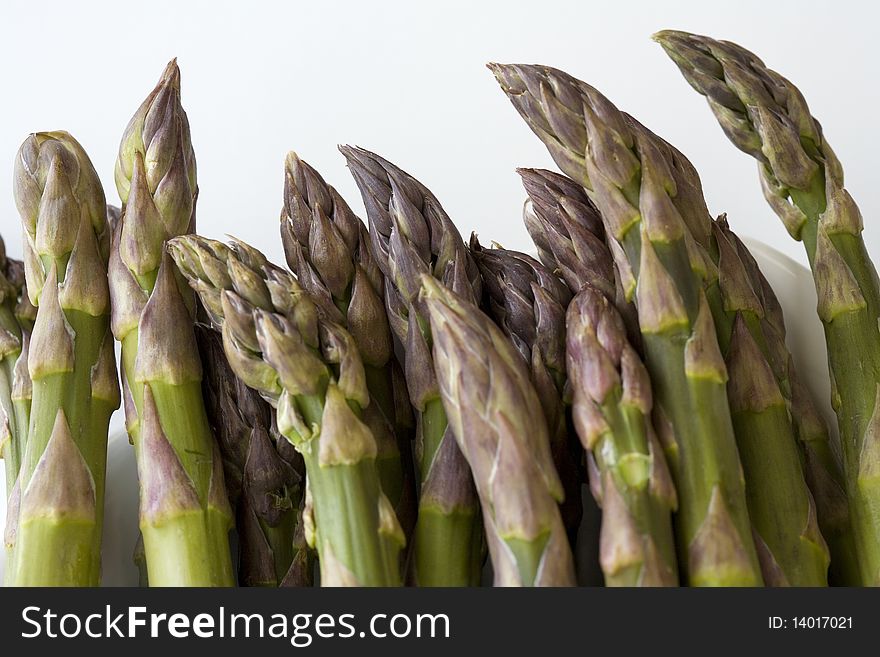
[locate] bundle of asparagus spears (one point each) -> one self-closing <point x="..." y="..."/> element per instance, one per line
<point x="399" y="407"/>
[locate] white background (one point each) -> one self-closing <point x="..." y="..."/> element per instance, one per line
<point x="407" y="80"/>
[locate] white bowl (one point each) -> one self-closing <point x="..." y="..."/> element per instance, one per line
<point x="791" y="281"/>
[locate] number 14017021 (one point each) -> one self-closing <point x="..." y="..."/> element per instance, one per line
<point x="810" y="623"/>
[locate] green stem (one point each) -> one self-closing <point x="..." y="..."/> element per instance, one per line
<point x="179" y="549"/>
<point x="446" y="537"/>
<point x="345" y="499"/>
<point x="854" y="363"/>
<point x="624" y="451"/>
<point x="706" y="463"/>
<point x="695" y="407"/>
<point x="10" y="453"/>
<point x="189" y="548"/>
<point x="444" y="547"/>
<point x="52" y="550"/>
<point x="779" y="502"/>
<point x="433" y="430"/>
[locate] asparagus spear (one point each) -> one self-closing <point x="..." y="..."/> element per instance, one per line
<point x="17" y="315"/>
<point x="185" y="516"/>
<point x="567" y="229"/>
<point x="496" y="417"/>
<point x="280" y="343"/>
<point x="411" y="235"/>
<point x="767" y="117"/>
<point x="327" y="246"/>
<point x="821" y="461"/>
<point x="10" y="351"/>
<point x="628" y="179"/>
<point x="791" y="546"/>
<point x="612" y="409"/>
<point x="528" y="303"/>
<point x="784" y="516"/>
<point x="783" y="512"/>
<point x="262" y="471"/>
<point x="21" y="390"/>
<point x="57" y="510"/>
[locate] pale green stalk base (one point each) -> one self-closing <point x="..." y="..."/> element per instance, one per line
<point x="53" y="551"/>
<point x="447" y="548"/>
<point x="353" y="537"/>
<point x="188" y="548"/>
<point x="776" y="492"/>
<point x="694" y="406"/>
<point x="178" y="552"/>
<point x="447" y="544"/>
<point x="528" y="555"/>
<point x="770" y="461"/>
<point x="351" y="548"/>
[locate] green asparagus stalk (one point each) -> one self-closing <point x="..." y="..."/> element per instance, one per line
<point x="629" y="181"/>
<point x="612" y="403"/>
<point x="821" y="461"/>
<point x="767" y="117"/>
<point x="10" y="350"/>
<point x="783" y="512"/>
<point x="57" y="510"/>
<point x="528" y="303"/>
<point x="567" y="229"/>
<point x="790" y="544"/>
<point x="328" y="248"/>
<point x="185" y="516"/>
<point x="411" y="235"/>
<point x="21" y="392"/>
<point x="636" y="535"/>
<point x="263" y="473"/>
<point x="280" y="343"/>
<point x="496" y="417"/>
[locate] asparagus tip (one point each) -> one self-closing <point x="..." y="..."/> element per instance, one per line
<point x="292" y="160"/>
<point x="662" y="36"/>
<point x="171" y="74"/>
